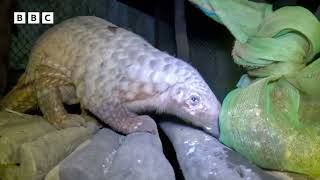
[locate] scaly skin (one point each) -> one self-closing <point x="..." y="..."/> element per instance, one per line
<point x="114" y="74"/>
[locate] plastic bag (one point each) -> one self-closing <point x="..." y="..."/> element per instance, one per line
<point x="267" y="43"/>
<point x="274" y="124"/>
<point x="273" y="118"/>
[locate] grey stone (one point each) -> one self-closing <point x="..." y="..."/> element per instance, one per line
<point x="91" y="161"/>
<point x="202" y="157"/>
<point x="35" y="145"/>
<point x="112" y="156"/>
<point x="290" y="176"/>
<point x="140" y="157"/>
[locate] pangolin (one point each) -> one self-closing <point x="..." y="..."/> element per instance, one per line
<point x="114" y="74"/>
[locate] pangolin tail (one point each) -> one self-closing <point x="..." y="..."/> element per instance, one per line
<point x="21" y="98"/>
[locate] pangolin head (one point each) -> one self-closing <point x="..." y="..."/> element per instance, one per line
<point x="193" y="101"/>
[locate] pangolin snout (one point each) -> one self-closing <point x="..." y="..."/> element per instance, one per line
<point x="212" y="124"/>
<point x="209" y="120"/>
<point x="213" y="129"/>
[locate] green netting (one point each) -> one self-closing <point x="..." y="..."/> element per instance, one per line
<point x="273" y="120"/>
<point x="27" y="34"/>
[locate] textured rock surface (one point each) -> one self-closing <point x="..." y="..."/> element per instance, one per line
<point x="109" y="155"/>
<point x="90" y="161"/>
<point x="202" y="157"/>
<point x="14" y="130"/>
<point x="290" y="176"/>
<point x="32" y="147"/>
<point x="13" y="118"/>
<point x="54" y="174"/>
<point x="140" y="157"/>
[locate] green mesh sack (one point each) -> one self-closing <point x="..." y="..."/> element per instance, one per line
<point x="272" y="119"/>
<point x="267" y="43"/>
<point x="275" y="124"/>
<point x="284" y="43"/>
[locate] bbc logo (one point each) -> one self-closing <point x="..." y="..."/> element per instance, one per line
<point x="33" y="18"/>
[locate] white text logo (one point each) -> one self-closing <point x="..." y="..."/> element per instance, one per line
<point x="33" y="18"/>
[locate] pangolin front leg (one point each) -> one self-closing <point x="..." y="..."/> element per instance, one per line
<point x="50" y="100"/>
<point x="124" y="121"/>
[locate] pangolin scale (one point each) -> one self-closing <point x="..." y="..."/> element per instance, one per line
<point x="114" y="74"/>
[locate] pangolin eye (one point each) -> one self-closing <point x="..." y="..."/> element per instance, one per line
<point x="194" y="100"/>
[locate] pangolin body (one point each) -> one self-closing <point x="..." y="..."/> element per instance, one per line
<point x="113" y="73"/>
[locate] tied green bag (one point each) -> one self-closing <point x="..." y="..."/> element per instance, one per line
<point x="267" y="43"/>
<point x="274" y="124"/>
<point x="275" y="120"/>
<point x="284" y="43"/>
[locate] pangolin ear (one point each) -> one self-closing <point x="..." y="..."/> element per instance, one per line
<point x="178" y="94"/>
